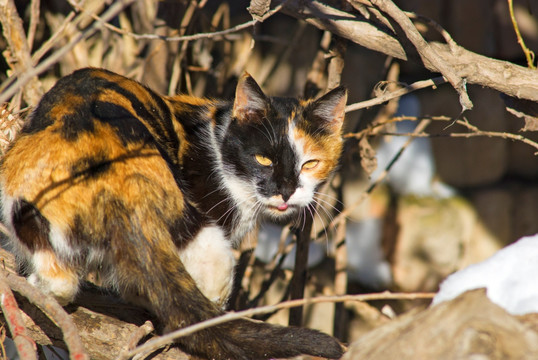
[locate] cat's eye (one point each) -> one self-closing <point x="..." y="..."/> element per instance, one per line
<point x="264" y="161"/>
<point x="310" y="164"/>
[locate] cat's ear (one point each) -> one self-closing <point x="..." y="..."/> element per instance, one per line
<point x="329" y="109"/>
<point x="249" y="99"/>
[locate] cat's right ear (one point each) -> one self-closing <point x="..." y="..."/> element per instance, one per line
<point x="249" y="99"/>
<point x="330" y="109"/>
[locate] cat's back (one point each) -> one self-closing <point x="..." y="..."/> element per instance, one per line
<point x="95" y="135"/>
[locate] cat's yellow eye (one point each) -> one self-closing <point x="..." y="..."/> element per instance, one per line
<point x="262" y="160"/>
<point x="310" y="164"/>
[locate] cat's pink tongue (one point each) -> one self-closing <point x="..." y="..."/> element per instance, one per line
<point x="282" y="206"/>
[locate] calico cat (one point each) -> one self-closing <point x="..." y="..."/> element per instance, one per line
<point x="153" y="192"/>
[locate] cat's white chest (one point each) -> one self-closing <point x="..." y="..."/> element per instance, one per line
<point x="209" y="260"/>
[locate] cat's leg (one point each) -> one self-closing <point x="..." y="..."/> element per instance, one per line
<point x="52" y="277"/>
<point x="210" y="261"/>
<point x="38" y="243"/>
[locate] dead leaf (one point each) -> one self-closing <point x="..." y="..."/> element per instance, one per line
<point x="368" y="156"/>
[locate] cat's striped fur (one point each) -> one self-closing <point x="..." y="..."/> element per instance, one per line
<point x="152" y="192"/>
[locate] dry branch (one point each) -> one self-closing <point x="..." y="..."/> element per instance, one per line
<point x="427" y="54"/>
<point x="26" y="347"/>
<point x="105" y="326"/>
<point x="32" y="73"/>
<point x="99" y="320"/>
<point x="378" y="100"/>
<point x="55" y="313"/>
<point x="169" y="338"/>
<point x="18" y="55"/>
<point x="477" y="69"/>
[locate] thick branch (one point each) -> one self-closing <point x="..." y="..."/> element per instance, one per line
<point x="503" y="76"/>
<point x="427" y="53"/>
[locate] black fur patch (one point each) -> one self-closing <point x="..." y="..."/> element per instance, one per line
<point x="31" y="227"/>
<point x="74" y="125"/>
<point x="127" y="127"/>
<point x="91" y="167"/>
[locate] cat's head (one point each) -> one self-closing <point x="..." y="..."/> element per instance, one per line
<point x="277" y="152"/>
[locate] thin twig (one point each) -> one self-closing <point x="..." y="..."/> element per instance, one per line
<point x="475" y="132"/>
<point x="26" y="347"/>
<point x="529" y="55"/>
<point x="395" y="94"/>
<point x="338" y="219"/>
<point x="25" y="77"/>
<point x="182" y="52"/>
<point x="445" y="34"/>
<point x="52" y="40"/>
<point x="209" y="35"/>
<point x="34" y="19"/>
<point x="169" y="338"/>
<point x="142" y="331"/>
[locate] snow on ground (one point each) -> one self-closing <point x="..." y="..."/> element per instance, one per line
<point x="509" y="277"/>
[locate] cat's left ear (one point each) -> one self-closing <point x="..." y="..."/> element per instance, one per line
<point x="330" y="109"/>
<point x="249" y="99"/>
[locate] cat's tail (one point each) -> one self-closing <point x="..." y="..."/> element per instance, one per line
<point x="177" y="302"/>
<point x="247" y="339"/>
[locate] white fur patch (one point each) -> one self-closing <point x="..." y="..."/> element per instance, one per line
<point x="52" y="278"/>
<point x="239" y="191"/>
<point x="7" y="207"/>
<point x="304" y="194"/>
<point x="210" y="262"/>
<point x="59" y="242"/>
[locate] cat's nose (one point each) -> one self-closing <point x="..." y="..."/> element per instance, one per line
<point x="286" y="192"/>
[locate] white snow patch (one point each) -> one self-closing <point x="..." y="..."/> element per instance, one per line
<point x="509" y="277"/>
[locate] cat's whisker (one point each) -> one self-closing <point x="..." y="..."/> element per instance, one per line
<point x="217" y="204"/>
<point x="274" y="137"/>
<point x="321" y="206"/>
<point x="267" y="134"/>
<point x="320" y="195"/>
<point x="327" y="203"/>
<point x="327" y="213"/>
<point x="234" y="207"/>
<point x="211" y="193"/>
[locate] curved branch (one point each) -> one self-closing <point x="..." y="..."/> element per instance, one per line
<point x="427" y="53"/>
<point x="54" y="311"/>
<point x="503" y="76"/>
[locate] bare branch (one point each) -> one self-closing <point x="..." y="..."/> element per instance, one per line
<point x="30" y="74"/>
<point x="26" y="348"/>
<point x="339" y="218"/>
<point x="52" y="309"/>
<point x="425" y="51"/>
<point x="19" y="53"/>
<point x="500" y="75"/>
<point x="396" y="94"/>
<point x="169" y="338"/>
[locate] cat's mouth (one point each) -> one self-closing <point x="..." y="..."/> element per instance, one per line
<point x="282" y="209"/>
